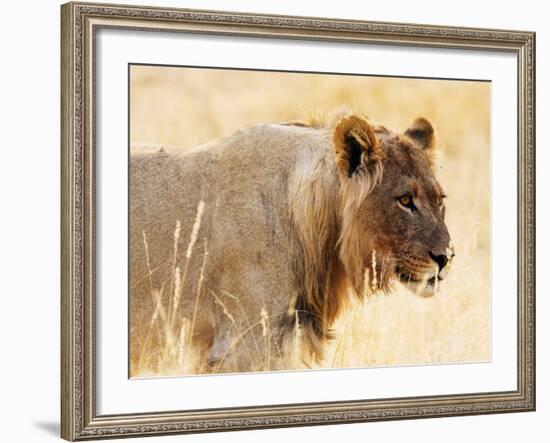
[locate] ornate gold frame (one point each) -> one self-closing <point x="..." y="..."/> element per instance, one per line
<point x="79" y="21"/>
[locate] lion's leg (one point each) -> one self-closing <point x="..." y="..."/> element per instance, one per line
<point x="234" y="351"/>
<point x="247" y="353"/>
<point x="247" y="314"/>
<point x="218" y="357"/>
<point x="200" y="342"/>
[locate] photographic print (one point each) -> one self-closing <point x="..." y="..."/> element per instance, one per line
<point x="292" y="221"/>
<point x="273" y="221"/>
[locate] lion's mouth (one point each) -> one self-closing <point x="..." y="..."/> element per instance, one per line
<point x="425" y="286"/>
<point x="407" y="278"/>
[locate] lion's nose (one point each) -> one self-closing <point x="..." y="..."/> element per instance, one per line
<point x="441" y="260"/>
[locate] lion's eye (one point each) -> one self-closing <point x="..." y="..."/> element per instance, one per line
<point x="406" y="201"/>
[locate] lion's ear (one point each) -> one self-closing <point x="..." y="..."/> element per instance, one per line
<point x="422" y="133"/>
<point x="356" y="147"/>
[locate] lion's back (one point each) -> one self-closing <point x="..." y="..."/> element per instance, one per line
<point x="246" y="174"/>
<point x="243" y="183"/>
<point x="241" y="242"/>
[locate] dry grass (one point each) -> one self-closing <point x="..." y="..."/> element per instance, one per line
<point x="186" y="107"/>
<point x="173" y="352"/>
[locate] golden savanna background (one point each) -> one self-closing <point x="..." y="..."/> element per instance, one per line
<point x="186" y="107"/>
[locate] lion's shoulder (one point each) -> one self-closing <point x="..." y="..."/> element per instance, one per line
<point x="270" y="133"/>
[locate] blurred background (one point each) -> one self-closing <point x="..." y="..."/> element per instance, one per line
<point x="187" y="106"/>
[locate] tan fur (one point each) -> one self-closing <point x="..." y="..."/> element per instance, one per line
<point x="422" y="133"/>
<point x="282" y="242"/>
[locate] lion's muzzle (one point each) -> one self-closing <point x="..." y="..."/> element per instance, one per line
<point x="443" y="261"/>
<point x="422" y="273"/>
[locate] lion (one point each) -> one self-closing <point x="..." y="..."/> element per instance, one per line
<point x="258" y="240"/>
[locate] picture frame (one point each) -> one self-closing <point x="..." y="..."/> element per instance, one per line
<point x="80" y="24"/>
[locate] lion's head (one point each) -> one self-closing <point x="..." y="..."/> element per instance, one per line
<point x="393" y="207"/>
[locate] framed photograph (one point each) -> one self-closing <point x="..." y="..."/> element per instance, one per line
<point x="282" y="221"/>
